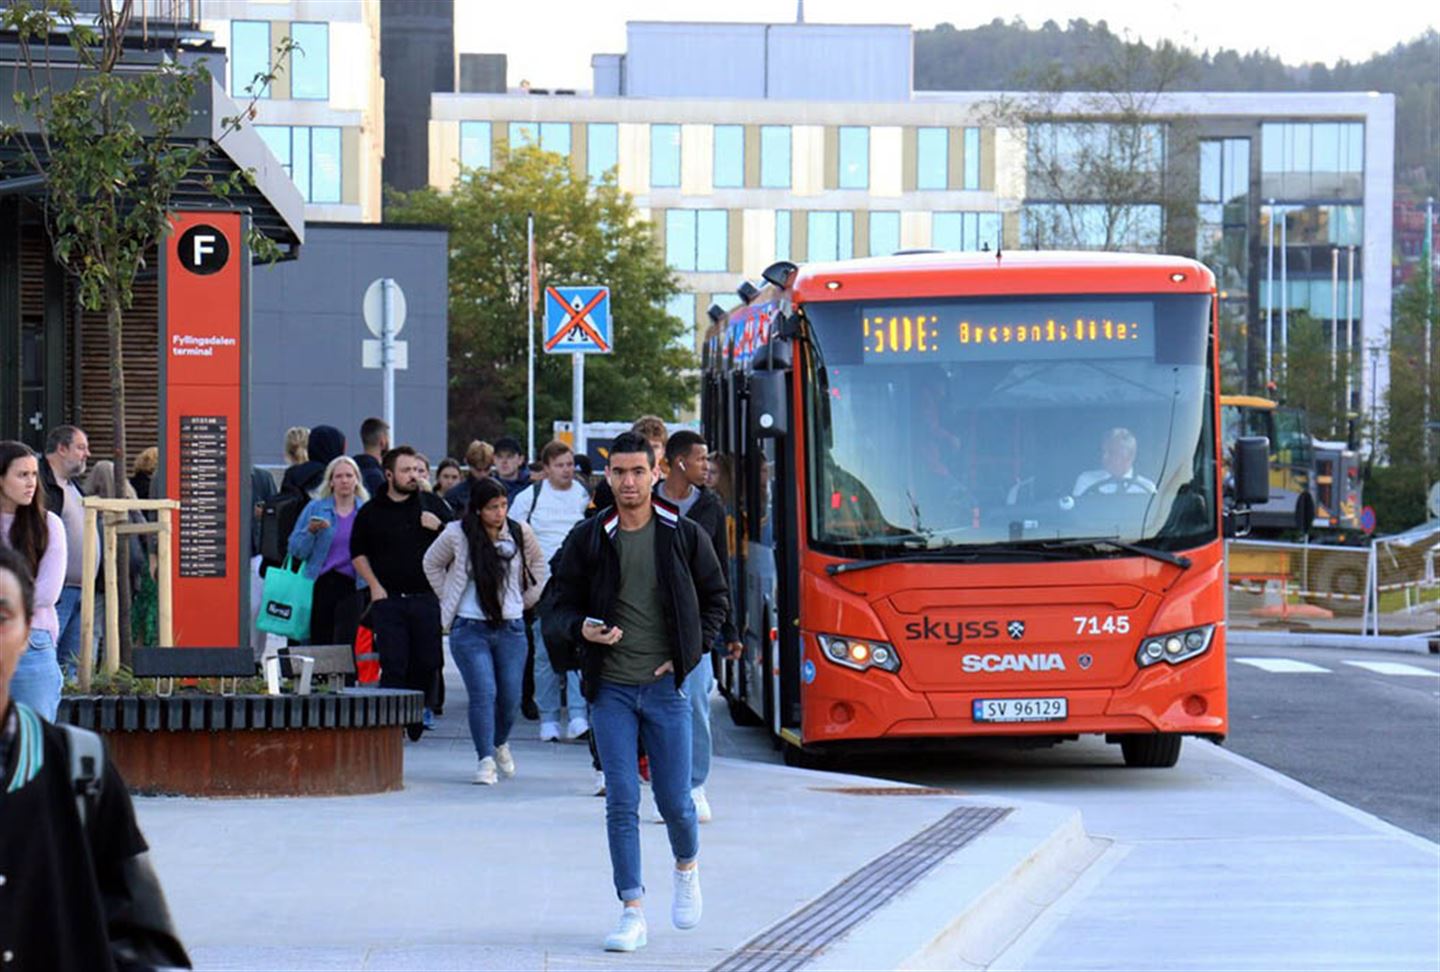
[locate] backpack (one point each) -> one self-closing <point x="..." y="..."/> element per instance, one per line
<point x="87" y="768"/>
<point x="278" y="516"/>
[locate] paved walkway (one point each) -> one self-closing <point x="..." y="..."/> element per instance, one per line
<point x="450" y="875"/>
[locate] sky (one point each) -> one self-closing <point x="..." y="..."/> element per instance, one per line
<point x="549" y="42"/>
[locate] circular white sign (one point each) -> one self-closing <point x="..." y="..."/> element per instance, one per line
<point x="1435" y="500"/>
<point x="373" y="307"/>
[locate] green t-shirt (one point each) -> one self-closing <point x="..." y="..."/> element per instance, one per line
<point x="645" y="646"/>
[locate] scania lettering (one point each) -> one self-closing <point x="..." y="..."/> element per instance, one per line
<point x="1013" y="663"/>
<point x="1015" y="453"/>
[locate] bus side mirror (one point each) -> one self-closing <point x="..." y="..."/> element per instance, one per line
<point x="769" y="405"/>
<point x="1251" y="469"/>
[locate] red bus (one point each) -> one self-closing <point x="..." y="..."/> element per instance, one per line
<point x="974" y="495"/>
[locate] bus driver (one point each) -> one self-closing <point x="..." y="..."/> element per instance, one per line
<point x="1117" y="457"/>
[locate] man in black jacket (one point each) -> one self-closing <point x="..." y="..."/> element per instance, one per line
<point x="640" y="588"/>
<point x="688" y="459"/>
<point x="375" y="440"/>
<point x="77" y="891"/>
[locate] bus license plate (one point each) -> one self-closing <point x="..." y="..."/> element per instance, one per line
<point x="1019" y="710"/>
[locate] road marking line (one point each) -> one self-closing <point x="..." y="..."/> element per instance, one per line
<point x="1283" y="665"/>
<point x="1394" y="668"/>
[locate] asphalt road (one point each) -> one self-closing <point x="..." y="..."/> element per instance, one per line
<point x="1368" y="738"/>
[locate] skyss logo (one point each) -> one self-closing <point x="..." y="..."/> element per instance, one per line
<point x="952" y="632"/>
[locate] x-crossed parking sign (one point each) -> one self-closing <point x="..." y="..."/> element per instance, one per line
<point x="577" y="320"/>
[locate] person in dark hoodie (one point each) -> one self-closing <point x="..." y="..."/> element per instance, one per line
<point x="683" y="487"/>
<point x="326" y="443"/>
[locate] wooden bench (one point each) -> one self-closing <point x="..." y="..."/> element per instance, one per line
<point x="167" y="664"/>
<point x="303" y="662"/>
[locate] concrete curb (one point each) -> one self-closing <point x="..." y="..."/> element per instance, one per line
<point x="1345" y="642"/>
<point x="968" y="910"/>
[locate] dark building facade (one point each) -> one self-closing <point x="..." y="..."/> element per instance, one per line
<point x="417" y="57"/>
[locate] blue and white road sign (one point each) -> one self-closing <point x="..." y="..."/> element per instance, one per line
<point x="577" y="320"/>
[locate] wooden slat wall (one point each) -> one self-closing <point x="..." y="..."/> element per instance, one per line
<point x="142" y="374"/>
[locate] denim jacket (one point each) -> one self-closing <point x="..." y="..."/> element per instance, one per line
<point x="313" y="548"/>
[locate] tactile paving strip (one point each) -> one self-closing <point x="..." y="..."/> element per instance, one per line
<point x="804" y="935"/>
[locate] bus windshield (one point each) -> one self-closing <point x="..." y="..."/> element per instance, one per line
<point x="1007" y="423"/>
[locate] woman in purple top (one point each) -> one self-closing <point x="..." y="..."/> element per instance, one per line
<point x="322" y="540"/>
<point x="39" y="537"/>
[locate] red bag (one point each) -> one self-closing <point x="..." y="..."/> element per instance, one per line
<point x="367" y="660"/>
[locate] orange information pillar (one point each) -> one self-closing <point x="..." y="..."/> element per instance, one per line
<point x="204" y="389"/>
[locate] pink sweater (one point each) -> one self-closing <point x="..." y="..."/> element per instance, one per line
<point x="51" y="577"/>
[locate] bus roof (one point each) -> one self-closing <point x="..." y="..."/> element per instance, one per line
<point x="947" y="274"/>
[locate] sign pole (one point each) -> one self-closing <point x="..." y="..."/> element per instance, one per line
<point x="577" y="367"/>
<point x="387" y="353"/>
<point x="530" y="335"/>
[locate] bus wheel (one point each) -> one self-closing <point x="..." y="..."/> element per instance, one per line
<point x="1157" y="750"/>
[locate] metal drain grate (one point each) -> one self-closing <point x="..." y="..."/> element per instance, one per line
<point x="885" y="791"/>
<point x="804" y="935"/>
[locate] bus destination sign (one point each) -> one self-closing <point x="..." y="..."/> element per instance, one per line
<point x="982" y="331"/>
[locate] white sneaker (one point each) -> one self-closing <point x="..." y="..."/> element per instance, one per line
<point x="702" y="805"/>
<point x="685" y="909"/>
<point x="504" y="759"/>
<point x="629" y="933"/>
<point x="549" y="731"/>
<point x="485" y="774"/>
<point x="577" y="728"/>
<point x="599" y="783"/>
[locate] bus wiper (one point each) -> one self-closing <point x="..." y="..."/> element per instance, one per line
<point x="955" y="553"/>
<point x="1178" y="560"/>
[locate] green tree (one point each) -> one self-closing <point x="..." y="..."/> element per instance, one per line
<point x="1308" y="381"/>
<point x="585" y="233"/>
<point x="105" y="144"/>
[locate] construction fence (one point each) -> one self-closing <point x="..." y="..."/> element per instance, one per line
<point x="1389" y="587"/>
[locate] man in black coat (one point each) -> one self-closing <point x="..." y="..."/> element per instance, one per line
<point x="78" y="892"/>
<point x="639" y="588"/>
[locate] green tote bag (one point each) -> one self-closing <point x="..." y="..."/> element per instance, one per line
<point x="285" y="602"/>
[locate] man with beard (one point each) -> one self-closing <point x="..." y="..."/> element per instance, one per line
<point x="388" y="544"/>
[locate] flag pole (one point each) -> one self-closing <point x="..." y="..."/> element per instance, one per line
<point x="530" y="334"/>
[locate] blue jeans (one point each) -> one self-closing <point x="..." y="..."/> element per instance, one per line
<point x="697" y="686"/>
<point x="68" y="608"/>
<point x="492" y="663"/>
<point x="547" y="684"/>
<point x="660" y="717"/>
<point x="37" y="677"/>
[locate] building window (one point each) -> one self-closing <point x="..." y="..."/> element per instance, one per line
<point x="1304" y="160"/>
<point x="729" y="156"/>
<point x="546" y="136"/>
<point x="884" y="233"/>
<point x="310" y="62"/>
<point x="682" y="308"/>
<point x="1092" y="226"/>
<point x="311" y="157"/>
<point x="602" y="149"/>
<point x="782" y="235"/>
<point x="249" y="57"/>
<point x="475" y="145"/>
<point x="1223" y="215"/>
<point x="665" y="156"/>
<point x="965" y="231"/>
<point x="854" y="157"/>
<point x="775" y="156"/>
<point x="1059" y="150"/>
<point x="697" y="239"/>
<point x="830" y="236"/>
<point x="972" y="158"/>
<point x="932" y="158"/>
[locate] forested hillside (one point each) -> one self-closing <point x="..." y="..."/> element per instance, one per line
<point x="1003" y="55"/>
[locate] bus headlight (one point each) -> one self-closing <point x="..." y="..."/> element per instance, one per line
<point x="1175" y="646"/>
<point x="859" y="654"/>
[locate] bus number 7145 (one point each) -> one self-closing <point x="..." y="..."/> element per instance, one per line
<point x="1089" y="624"/>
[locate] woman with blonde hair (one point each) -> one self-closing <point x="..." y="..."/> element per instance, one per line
<point x="143" y="471"/>
<point x="297" y="445"/>
<point x="322" y="539"/>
